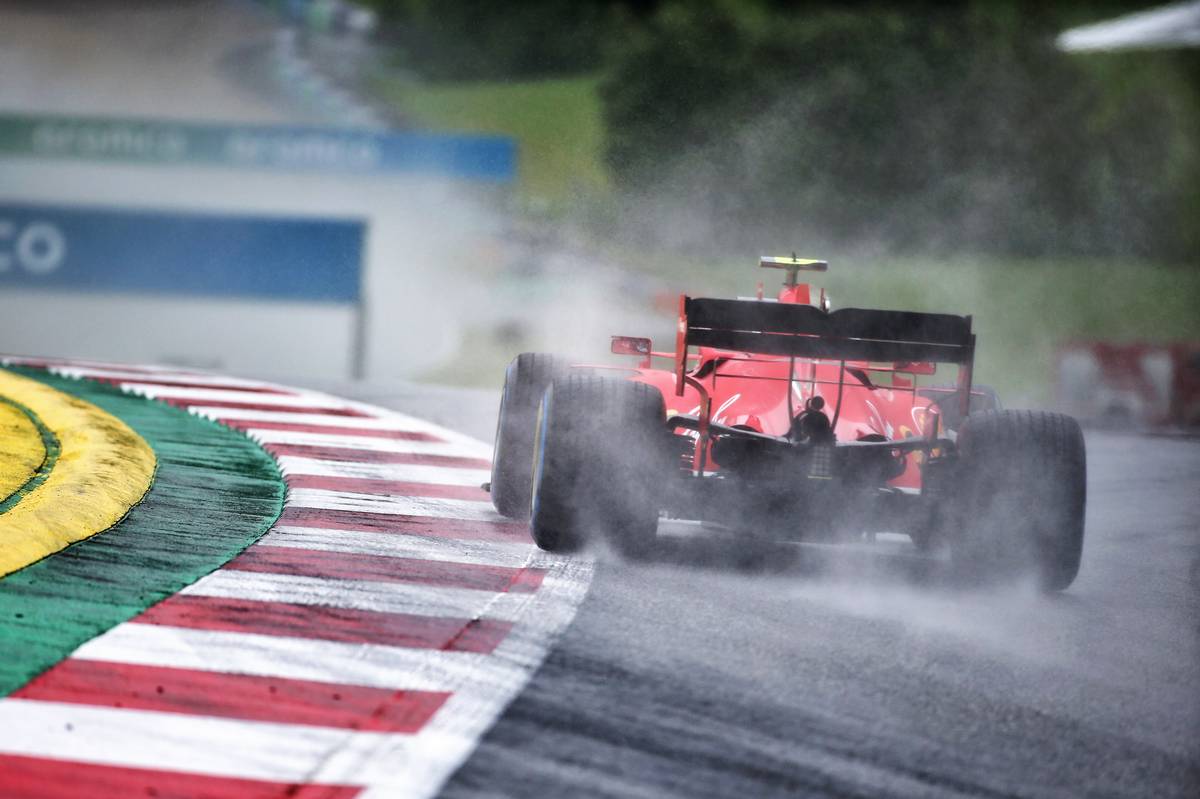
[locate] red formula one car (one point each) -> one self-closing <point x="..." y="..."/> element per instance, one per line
<point x="786" y="416"/>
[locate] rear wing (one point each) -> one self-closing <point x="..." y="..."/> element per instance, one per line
<point x="851" y="334"/>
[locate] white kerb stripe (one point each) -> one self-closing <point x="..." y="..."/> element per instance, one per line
<point x="250" y="415"/>
<point x="421" y="424"/>
<point x="380" y="419"/>
<point x="462" y="509"/>
<point x="451" y="735"/>
<point x="213" y="381"/>
<point x="452" y="448"/>
<point x="412" y="473"/>
<point x="376" y="596"/>
<point x="402" y="545"/>
<point x="197" y="396"/>
<point x="370" y="665"/>
<point x="181" y="742"/>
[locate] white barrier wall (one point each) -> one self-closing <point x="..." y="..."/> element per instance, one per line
<point x="416" y="230"/>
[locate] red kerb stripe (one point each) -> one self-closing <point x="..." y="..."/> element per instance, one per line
<point x="235" y="696"/>
<point x="183" y="402"/>
<point x="365" y="485"/>
<point x="356" y="566"/>
<point x="344" y="625"/>
<point x="371" y="456"/>
<point x="403" y="525"/>
<point x="337" y="430"/>
<point x="46" y="778"/>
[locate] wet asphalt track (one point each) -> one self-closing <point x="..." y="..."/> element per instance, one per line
<point x="717" y="671"/>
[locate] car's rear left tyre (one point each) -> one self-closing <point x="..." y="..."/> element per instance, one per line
<point x="525" y="380"/>
<point x="600" y="459"/>
<point x="1022" y="491"/>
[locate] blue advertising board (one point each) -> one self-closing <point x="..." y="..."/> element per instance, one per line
<point x="188" y="254"/>
<point x="484" y="158"/>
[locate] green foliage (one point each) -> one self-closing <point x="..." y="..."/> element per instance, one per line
<point x="474" y="39"/>
<point x="938" y="130"/>
<point x="556" y="123"/>
<point x="921" y="128"/>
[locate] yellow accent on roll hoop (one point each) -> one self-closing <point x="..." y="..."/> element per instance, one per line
<point x="792" y="262"/>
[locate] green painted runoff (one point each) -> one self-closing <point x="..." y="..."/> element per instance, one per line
<point x="214" y="494"/>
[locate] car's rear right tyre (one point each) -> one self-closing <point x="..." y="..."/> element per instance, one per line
<point x="600" y="459"/>
<point x="1022" y="491"/>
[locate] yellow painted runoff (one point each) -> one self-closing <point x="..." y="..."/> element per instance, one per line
<point x="103" y="469"/>
<point x="21" y="450"/>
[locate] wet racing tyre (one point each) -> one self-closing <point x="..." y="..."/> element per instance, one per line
<point x="1022" y="480"/>
<point x="525" y="380"/>
<point x="600" y="459"/>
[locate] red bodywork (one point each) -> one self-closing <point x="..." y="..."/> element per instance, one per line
<point x="742" y="389"/>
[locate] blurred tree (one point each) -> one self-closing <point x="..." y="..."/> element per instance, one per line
<point x="480" y="39"/>
<point x="931" y="127"/>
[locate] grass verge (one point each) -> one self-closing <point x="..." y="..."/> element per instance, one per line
<point x="556" y="124"/>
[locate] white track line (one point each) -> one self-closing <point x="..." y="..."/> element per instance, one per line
<point x="412" y="473"/>
<point x="449" y="550"/>
<point x="382" y="597"/>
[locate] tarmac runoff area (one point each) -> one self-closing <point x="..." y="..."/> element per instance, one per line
<point x="360" y="648"/>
